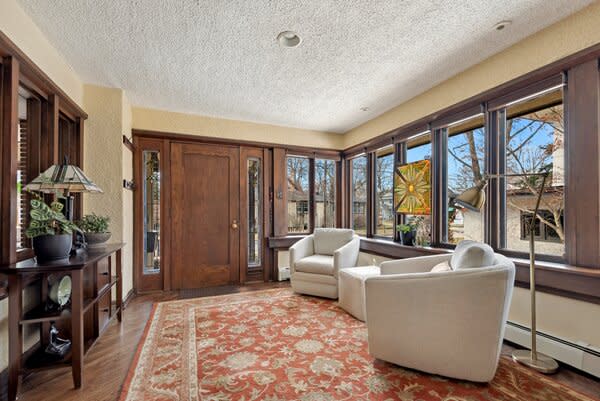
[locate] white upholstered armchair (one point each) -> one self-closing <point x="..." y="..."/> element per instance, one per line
<point x="316" y="260"/>
<point x="449" y="322"/>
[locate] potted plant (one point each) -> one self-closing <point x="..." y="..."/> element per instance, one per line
<point x="408" y="232"/>
<point x="50" y="231"/>
<point x="95" y="230"/>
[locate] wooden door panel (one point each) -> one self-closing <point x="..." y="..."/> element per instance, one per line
<point x="205" y="202"/>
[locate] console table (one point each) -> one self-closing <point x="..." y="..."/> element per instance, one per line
<point x="93" y="277"/>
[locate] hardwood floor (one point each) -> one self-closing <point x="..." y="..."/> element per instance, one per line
<point x="107" y="363"/>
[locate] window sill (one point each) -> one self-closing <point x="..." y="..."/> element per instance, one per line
<point x="574" y="282"/>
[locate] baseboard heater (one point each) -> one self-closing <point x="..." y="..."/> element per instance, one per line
<point x="580" y="355"/>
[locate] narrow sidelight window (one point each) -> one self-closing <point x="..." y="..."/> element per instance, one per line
<point x="254" y="212"/>
<point x="151" y="201"/>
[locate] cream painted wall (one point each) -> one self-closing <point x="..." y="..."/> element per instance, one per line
<point x="127" y="173"/>
<point x="190" y="124"/>
<point x="26" y="35"/>
<point x="107" y="162"/>
<point x="577" y="32"/>
<point x="19" y="27"/>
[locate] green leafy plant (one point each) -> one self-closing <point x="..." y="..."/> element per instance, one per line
<point x="92" y="223"/>
<point x="47" y="219"/>
<point x="406" y="228"/>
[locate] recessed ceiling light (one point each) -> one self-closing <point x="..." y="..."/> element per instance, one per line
<point x="364" y="109"/>
<point x="288" y="39"/>
<point x="502" y="24"/>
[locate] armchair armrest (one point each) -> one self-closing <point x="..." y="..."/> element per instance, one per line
<point x="421" y="264"/>
<point x="346" y="256"/>
<point x="300" y="250"/>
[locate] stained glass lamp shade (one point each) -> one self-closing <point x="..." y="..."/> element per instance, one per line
<point x="62" y="177"/>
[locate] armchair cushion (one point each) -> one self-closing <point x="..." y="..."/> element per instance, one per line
<point x="316" y="264"/>
<point x="472" y="255"/>
<point x="328" y="240"/>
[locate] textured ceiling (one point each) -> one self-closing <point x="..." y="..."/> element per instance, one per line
<point x="221" y="58"/>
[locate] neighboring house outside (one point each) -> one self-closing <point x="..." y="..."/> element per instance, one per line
<point x="298" y="211"/>
<point x="517" y="237"/>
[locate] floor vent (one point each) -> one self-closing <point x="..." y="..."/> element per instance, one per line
<point x="580" y="355"/>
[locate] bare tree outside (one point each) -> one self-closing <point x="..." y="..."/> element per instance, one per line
<point x="325" y="183"/>
<point x="384" y="190"/>
<point x="534" y="143"/>
<point x="298" y="195"/>
<point x="359" y="194"/>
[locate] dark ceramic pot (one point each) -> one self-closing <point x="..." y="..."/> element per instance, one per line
<point x="96" y="240"/>
<point x="52" y="248"/>
<point x="408" y="238"/>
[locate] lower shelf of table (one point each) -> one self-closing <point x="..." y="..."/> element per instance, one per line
<point x="39" y="360"/>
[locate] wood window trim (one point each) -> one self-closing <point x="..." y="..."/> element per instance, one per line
<point x="373" y="198"/>
<point x="34" y="78"/>
<point x="311" y="194"/>
<point x="290" y="149"/>
<point x="25" y="73"/>
<point x="312" y="203"/>
<point x="258" y="272"/>
<point x="161" y="280"/>
<point x="577" y="276"/>
<point x="558" y="67"/>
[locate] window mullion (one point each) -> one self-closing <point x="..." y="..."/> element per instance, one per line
<point x="370" y="194"/>
<point x="439" y="210"/>
<point x="399" y="158"/>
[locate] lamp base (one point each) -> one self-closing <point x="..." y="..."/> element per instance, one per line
<point x="543" y="363"/>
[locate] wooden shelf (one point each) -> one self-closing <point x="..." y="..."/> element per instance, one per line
<point x="39" y="360"/>
<point x="39" y="315"/>
<point x="93" y="275"/>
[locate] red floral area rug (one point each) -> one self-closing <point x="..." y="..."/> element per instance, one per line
<point x="273" y="345"/>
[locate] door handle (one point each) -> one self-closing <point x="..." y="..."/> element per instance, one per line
<point x="234" y="225"/>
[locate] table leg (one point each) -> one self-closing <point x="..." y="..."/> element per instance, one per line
<point x="77" y="342"/>
<point x="119" y="256"/>
<point x="15" y="334"/>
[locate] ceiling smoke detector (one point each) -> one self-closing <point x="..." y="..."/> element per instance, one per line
<point x="288" y="39"/>
<point x="364" y="109"/>
<point x="502" y="24"/>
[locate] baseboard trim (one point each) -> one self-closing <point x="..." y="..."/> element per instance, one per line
<point x="130" y="295"/>
<point x="579" y="355"/>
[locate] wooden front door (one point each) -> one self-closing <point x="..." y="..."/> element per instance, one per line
<point x="205" y="235"/>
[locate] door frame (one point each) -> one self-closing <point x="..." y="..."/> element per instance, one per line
<point x="159" y="281"/>
<point x="263" y="271"/>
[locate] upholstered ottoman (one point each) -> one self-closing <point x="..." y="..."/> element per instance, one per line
<point x="352" y="289"/>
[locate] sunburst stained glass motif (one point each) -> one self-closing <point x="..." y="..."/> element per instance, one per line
<point x="412" y="185"/>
